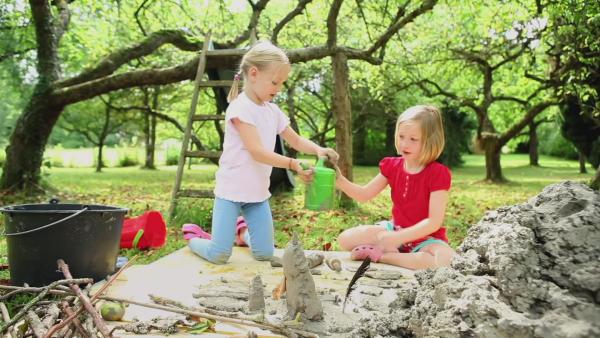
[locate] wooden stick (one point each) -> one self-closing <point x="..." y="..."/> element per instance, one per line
<point x="75" y="322"/>
<point x="280" y="329"/>
<point x="100" y="324"/>
<point x="35" y="324"/>
<point x="42" y="294"/>
<point x="19" y="289"/>
<point x="6" y="318"/>
<point x="93" y="299"/>
<point x="52" y="314"/>
<point x="173" y="303"/>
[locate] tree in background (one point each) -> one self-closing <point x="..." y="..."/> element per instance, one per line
<point x="95" y="121"/>
<point x="490" y="47"/>
<point x="574" y="52"/>
<point x="58" y="86"/>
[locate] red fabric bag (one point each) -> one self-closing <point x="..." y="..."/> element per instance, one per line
<point x="147" y="231"/>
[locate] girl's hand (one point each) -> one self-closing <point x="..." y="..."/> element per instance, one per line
<point x="388" y="241"/>
<point x="331" y="155"/>
<point x="306" y="175"/>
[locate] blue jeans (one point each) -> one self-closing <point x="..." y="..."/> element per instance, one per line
<point x="259" y="235"/>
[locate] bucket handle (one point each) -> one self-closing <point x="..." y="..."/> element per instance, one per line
<point x="47" y="225"/>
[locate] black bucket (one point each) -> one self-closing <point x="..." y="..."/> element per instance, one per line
<point x="86" y="237"/>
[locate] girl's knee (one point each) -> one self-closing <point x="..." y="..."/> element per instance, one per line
<point x="263" y="255"/>
<point x="220" y="258"/>
<point x="443" y="258"/>
<point x="362" y="234"/>
<point x="345" y="241"/>
<point x="217" y="255"/>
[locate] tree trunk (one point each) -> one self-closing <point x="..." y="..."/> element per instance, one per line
<point x="99" y="163"/>
<point x="28" y="140"/>
<point x="149" y="139"/>
<point x="493" y="168"/>
<point x="595" y="184"/>
<point x="582" y="169"/>
<point x="152" y="148"/>
<point x="390" y="137"/>
<point x="25" y="151"/>
<point x="103" y="134"/>
<point x="533" y="145"/>
<point x="343" y="118"/>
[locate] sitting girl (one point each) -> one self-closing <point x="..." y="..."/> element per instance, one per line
<point x="415" y="239"/>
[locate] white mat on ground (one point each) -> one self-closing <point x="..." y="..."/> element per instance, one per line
<point x="181" y="274"/>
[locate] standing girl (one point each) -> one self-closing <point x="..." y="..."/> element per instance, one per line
<point x="415" y="238"/>
<point x="252" y="123"/>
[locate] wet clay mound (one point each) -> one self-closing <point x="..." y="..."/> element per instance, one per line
<point x="528" y="270"/>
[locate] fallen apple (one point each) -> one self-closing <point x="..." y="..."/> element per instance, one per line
<point x="113" y="311"/>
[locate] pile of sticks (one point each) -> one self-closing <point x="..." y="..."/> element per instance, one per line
<point x="63" y="316"/>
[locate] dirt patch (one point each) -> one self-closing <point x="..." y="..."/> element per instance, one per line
<point x="528" y="270"/>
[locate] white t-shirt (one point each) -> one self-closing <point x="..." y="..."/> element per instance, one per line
<point x="239" y="177"/>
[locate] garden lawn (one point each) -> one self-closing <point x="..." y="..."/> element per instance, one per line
<point x="141" y="190"/>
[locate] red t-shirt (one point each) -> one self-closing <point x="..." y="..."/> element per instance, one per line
<point x="410" y="194"/>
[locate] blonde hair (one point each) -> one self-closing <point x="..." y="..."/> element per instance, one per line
<point x="432" y="130"/>
<point x="261" y="56"/>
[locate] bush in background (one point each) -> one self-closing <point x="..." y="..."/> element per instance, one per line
<point x="553" y="143"/>
<point x="458" y="130"/>
<point x="128" y="158"/>
<point x="127" y="161"/>
<point x="172" y="156"/>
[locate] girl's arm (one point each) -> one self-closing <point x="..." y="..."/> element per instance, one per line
<point x="361" y="193"/>
<point x="307" y="146"/>
<point x="251" y="140"/>
<point x="437" y="209"/>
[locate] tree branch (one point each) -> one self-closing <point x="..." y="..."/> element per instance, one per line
<point x="257" y="9"/>
<point x="511" y="99"/>
<point x="46" y="40"/>
<point x="511" y="57"/>
<point x="295" y="12"/>
<point x="115" y="60"/>
<point x="472" y="56"/>
<point x="361" y="12"/>
<point x="64" y="17"/>
<point x="161" y="116"/>
<point x="141" y="7"/>
<point x="10" y="54"/>
<point x="529" y="116"/>
<point x="393" y="29"/>
<point x="441" y="92"/>
<point x="334" y="11"/>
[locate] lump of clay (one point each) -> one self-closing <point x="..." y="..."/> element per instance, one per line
<point x="301" y="296"/>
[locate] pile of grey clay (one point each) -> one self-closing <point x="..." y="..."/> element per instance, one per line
<point x="528" y="270"/>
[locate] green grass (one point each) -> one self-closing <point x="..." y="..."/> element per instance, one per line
<point x="141" y="190"/>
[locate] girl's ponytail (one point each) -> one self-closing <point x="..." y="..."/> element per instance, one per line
<point x="234" y="91"/>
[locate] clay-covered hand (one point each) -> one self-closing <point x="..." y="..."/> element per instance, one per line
<point x="304" y="171"/>
<point x="332" y="155"/>
<point x="388" y="241"/>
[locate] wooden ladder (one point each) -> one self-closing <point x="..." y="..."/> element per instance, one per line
<point x="192" y="117"/>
